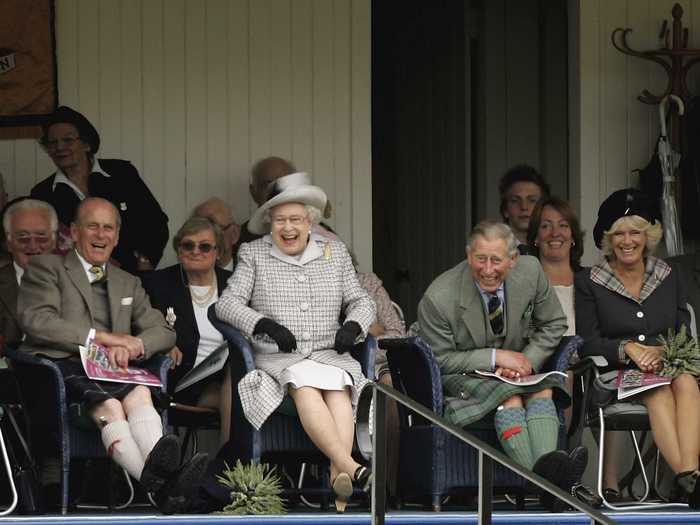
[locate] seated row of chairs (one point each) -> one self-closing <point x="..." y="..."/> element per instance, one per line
<point x="439" y="464"/>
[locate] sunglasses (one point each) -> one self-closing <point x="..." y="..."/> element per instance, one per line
<point x="204" y="247"/>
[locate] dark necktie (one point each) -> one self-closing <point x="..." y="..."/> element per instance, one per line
<point x="496" y="314"/>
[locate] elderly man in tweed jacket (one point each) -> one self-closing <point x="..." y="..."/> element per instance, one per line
<point x="287" y="294"/>
<point x="496" y="312"/>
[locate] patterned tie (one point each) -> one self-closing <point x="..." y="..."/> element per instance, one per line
<point x="496" y="314"/>
<point x="98" y="272"/>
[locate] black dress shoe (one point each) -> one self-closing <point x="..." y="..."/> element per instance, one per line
<point x="162" y="462"/>
<point x="562" y="469"/>
<point x="178" y="495"/>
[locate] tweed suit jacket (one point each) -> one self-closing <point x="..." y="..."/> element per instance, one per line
<point x="305" y="296"/>
<point x="453" y="320"/>
<point x="56" y="311"/>
<point x="9" y="324"/>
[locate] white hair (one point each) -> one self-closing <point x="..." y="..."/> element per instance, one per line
<point x="29" y="204"/>
<point x="489" y="229"/>
<point x="312" y="213"/>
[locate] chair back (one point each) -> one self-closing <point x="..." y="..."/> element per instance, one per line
<point x="414" y="372"/>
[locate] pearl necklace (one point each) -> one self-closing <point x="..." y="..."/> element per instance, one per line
<point x="203" y="299"/>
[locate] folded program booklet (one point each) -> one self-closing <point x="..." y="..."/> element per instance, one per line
<point x="521" y="381"/>
<point x="633" y="381"/>
<point x="95" y="360"/>
<point x="210" y="365"/>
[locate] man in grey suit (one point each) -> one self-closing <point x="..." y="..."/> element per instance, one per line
<point x="65" y="302"/>
<point x="30" y="229"/>
<point x="496" y="312"/>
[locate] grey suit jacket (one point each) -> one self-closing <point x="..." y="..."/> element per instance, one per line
<point x="452" y="318"/>
<point x="56" y="311"/>
<point x="9" y="324"/>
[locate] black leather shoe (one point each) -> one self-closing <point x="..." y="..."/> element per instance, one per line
<point x="562" y="469"/>
<point x="178" y="494"/>
<point x="162" y="462"/>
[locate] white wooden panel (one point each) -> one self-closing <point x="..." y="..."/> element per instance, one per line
<point x="88" y="52"/>
<point x="342" y="167"/>
<point x="152" y="106"/>
<point x="589" y="145"/>
<point x="239" y="160"/>
<point x="322" y="168"/>
<point x="280" y="79"/>
<point x="196" y="102"/>
<point x="131" y="60"/>
<point x="216" y="96"/>
<point x="7" y="166"/>
<point x="361" y="133"/>
<point x="194" y="92"/>
<point x="639" y="116"/>
<point x="301" y="86"/>
<point x="260" y="79"/>
<point x="175" y="124"/>
<point x="67" y="63"/>
<point x="614" y="102"/>
<point x="109" y="79"/>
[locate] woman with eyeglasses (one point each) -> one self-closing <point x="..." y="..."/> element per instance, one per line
<point x="295" y="293"/>
<point x="72" y="143"/>
<point x="183" y="293"/>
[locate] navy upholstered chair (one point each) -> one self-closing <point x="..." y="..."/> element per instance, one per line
<point x="281" y="436"/>
<point x="48" y="412"/>
<point x="434" y="463"/>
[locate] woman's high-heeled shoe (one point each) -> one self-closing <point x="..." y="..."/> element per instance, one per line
<point x="342" y="486"/>
<point x="363" y="478"/>
<point x="688" y="482"/>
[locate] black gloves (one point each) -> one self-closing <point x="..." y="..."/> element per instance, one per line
<point x="345" y="337"/>
<point x="285" y="339"/>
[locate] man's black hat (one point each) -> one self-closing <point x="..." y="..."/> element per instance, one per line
<point x="86" y="130"/>
<point x="623" y="203"/>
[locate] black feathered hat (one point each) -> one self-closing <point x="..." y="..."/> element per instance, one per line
<point x="87" y="132"/>
<point x="623" y="203"/>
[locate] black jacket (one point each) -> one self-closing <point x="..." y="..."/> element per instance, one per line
<point x="144" y="224"/>
<point x="605" y="318"/>
<point x="167" y="288"/>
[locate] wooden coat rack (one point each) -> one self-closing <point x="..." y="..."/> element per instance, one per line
<point x="675" y="59"/>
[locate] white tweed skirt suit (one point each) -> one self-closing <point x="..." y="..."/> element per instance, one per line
<point x="305" y="294"/>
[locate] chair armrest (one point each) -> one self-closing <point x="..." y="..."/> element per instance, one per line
<point x="366" y="354"/>
<point x="415" y="371"/>
<point x="568" y="346"/>
<point x="241" y="356"/>
<point x="56" y="416"/>
<point x="588" y="363"/>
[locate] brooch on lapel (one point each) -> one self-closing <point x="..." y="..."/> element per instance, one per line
<point x="327" y="251"/>
<point x="122" y="206"/>
<point x="170" y="316"/>
<point x="528" y="310"/>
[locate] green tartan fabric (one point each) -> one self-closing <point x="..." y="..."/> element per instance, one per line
<point x="469" y="398"/>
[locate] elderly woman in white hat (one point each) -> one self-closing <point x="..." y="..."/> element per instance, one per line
<point x="287" y="294"/>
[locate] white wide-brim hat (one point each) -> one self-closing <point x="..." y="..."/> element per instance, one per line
<point x="295" y="187"/>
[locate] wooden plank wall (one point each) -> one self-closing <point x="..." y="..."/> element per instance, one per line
<point x="612" y="133"/>
<point x="193" y="92"/>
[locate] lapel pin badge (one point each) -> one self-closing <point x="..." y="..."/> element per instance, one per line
<point x="170" y="316"/>
<point x="122" y="206"/>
